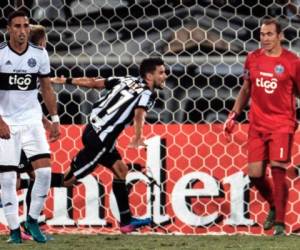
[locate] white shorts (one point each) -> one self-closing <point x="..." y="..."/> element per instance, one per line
<point x="31" y="138"/>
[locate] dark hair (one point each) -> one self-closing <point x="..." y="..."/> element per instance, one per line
<point x="275" y="22"/>
<point x="37" y="32"/>
<point x="148" y="65"/>
<point x="15" y="14"/>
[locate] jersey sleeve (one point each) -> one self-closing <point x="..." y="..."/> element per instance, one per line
<point x="296" y="78"/>
<point x="146" y="100"/>
<point x="44" y="70"/>
<point x="110" y="82"/>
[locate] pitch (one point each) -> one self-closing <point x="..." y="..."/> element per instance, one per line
<point x="140" y="242"/>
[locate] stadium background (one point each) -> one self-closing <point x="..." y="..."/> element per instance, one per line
<point x="204" y="44"/>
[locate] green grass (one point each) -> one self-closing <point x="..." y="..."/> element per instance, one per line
<point x="135" y="242"/>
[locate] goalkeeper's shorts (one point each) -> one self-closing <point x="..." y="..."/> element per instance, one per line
<point x="269" y="146"/>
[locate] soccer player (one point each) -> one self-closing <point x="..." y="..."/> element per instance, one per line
<point x="21" y="122"/>
<point x="37" y="37"/>
<point x="127" y="101"/>
<point x="270" y="78"/>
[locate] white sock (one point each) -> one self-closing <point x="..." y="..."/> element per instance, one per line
<point x="9" y="198"/>
<point x="39" y="191"/>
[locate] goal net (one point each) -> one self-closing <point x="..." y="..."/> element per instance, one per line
<point x="190" y="180"/>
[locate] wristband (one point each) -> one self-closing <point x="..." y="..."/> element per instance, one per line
<point x="55" y="118"/>
<point x="69" y="80"/>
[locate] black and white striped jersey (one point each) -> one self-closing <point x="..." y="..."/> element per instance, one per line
<point x="114" y="111"/>
<point x="19" y="103"/>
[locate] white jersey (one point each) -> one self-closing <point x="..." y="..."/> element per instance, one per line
<point x="19" y="103"/>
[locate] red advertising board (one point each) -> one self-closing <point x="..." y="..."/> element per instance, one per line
<point x="190" y="180"/>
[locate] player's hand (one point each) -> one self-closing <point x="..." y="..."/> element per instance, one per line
<point x="4" y="130"/>
<point x="54" y="132"/>
<point x="137" y="143"/>
<point x="229" y="124"/>
<point x="58" y="80"/>
<point x="47" y="124"/>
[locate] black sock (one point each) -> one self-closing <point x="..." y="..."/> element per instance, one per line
<point x="24" y="183"/>
<point x="28" y="195"/>
<point x="57" y="179"/>
<point x="17" y="230"/>
<point x="120" y="191"/>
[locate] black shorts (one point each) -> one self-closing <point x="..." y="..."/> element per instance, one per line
<point x="93" y="153"/>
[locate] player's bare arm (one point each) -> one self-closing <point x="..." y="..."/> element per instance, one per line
<point x="138" y="123"/>
<point x="88" y="82"/>
<point x="50" y="102"/>
<point x="4" y="129"/>
<point x="240" y="103"/>
<point x="243" y="98"/>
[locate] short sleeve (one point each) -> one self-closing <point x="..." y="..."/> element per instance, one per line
<point x="146" y="100"/>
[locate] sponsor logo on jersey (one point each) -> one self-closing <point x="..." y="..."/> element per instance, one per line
<point x="279" y="69"/>
<point x="269" y="85"/>
<point x="266" y="74"/>
<point x="20" y="81"/>
<point x="31" y="62"/>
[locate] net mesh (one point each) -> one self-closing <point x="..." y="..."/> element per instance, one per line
<point x="188" y="177"/>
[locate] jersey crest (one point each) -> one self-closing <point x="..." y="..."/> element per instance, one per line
<point x="31" y="62"/>
<point x="279" y="69"/>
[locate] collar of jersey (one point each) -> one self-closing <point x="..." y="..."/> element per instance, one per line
<point x="16" y="51"/>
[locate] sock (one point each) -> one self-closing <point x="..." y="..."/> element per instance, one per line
<point x="57" y="180"/>
<point x="281" y="191"/>
<point x="28" y="195"/>
<point x="8" y="181"/>
<point x="40" y="190"/>
<point x="24" y="183"/>
<point x="120" y="191"/>
<point x="264" y="187"/>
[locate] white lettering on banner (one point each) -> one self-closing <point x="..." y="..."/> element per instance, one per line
<point x="238" y="183"/>
<point x="131" y="178"/>
<point x="60" y="209"/>
<point x="92" y="201"/>
<point x="176" y="198"/>
<point x="92" y="205"/>
<point x="154" y="169"/>
<point x="268" y="85"/>
<point x="181" y="192"/>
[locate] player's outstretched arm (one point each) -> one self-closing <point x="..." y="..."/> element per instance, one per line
<point x="138" y="124"/>
<point x="239" y="105"/>
<point x="88" y="82"/>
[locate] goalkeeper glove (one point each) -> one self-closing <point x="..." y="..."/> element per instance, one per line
<point x="230" y="124"/>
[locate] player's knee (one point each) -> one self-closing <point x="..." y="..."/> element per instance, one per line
<point x="256" y="169"/>
<point x="8" y="180"/>
<point x="70" y="181"/>
<point x="254" y="174"/>
<point x="44" y="173"/>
